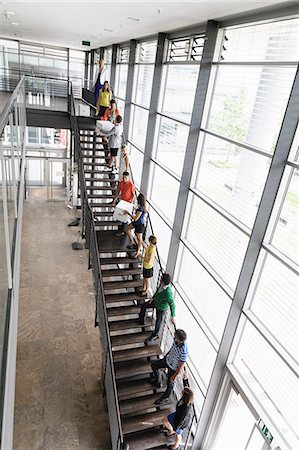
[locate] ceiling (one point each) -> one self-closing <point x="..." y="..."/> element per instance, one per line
<point x="67" y="23"/>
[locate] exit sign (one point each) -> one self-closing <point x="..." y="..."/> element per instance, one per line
<point x="265" y="431"/>
<point x="86" y="43"/>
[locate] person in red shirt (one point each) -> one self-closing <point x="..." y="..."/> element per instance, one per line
<point x="125" y="191"/>
<point x="111" y="113"/>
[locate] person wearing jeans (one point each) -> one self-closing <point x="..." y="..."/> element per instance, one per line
<point x="174" y="362"/>
<point x="162" y="299"/>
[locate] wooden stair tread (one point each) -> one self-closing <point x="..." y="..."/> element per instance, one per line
<point x="120" y="272"/>
<point x="127" y="339"/>
<point x="101" y="196"/>
<point x="142" y="422"/>
<point x="147" y="439"/>
<point x="119" y="260"/>
<point x="128" y="324"/>
<point x="136" y="353"/>
<point x="114" y="298"/>
<point x="124" y="284"/>
<point x="123" y="311"/>
<point x="100" y="188"/>
<point x="138" y="404"/>
<point x="101" y="180"/>
<point x="96" y="164"/>
<point x="99" y="172"/>
<point x="102" y="213"/>
<point x="106" y="223"/>
<point x="132" y="369"/>
<point x="133" y="389"/>
<point x="100" y="205"/>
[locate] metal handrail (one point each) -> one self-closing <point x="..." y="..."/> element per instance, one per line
<point x="6" y="111"/>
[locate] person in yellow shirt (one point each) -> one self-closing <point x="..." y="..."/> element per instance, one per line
<point x="148" y="264"/>
<point x="103" y="101"/>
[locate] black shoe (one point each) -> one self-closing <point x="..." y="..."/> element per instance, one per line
<point x="151" y="338"/>
<point x="132" y="246"/>
<point x="155" y="383"/>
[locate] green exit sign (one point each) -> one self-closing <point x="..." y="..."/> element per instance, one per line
<point x="265" y="431"/>
<point x="86" y="43"/>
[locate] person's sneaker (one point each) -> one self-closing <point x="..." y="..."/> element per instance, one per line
<point x="132" y="246"/>
<point x="161" y="400"/>
<point x="155" y="383"/>
<point x="151" y="338"/>
<point x="119" y="233"/>
<point x="107" y="169"/>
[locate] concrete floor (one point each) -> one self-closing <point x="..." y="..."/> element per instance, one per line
<point x="59" y="403"/>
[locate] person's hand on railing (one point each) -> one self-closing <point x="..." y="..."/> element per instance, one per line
<point x="173" y="320"/>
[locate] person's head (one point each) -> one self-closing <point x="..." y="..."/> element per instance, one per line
<point x="188" y="396"/>
<point x="113" y="104"/>
<point x="106" y="86"/>
<point x="119" y="119"/>
<point x="124" y="149"/>
<point x="152" y="239"/>
<point x="126" y="176"/>
<point x="101" y="64"/>
<point x="141" y="200"/>
<point x="166" y="279"/>
<point x="180" y="336"/>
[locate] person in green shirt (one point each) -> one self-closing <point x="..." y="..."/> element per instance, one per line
<point x="162" y="299"/>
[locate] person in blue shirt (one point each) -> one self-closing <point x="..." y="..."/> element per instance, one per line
<point x="174" y="361"/>
<point x="138" y="224"/>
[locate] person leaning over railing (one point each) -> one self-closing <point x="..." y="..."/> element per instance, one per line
<point x="161" y="300"/>
<point x="174" y="361"/>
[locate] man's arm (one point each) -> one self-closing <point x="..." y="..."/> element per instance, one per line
<point x="179" y="369"/>
<point x="117" y="195"/>
<point x="171" y="305"/>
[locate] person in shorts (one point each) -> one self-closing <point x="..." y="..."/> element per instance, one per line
<point x="148" y="264"/>
<point x="115" y="141"/>
<point x="138" y="224"/>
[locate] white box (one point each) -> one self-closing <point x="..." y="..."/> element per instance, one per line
<point x="119" y="211"/>
<point x="84" y="110"/>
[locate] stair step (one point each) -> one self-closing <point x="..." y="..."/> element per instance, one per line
<point x="100" y="188"/>
<point x="99" y="172"/>
<point x="125" y="297"/>
<point x="128" y="325"/>
<point x="147" y="440"/>
<point x="123" y="311"/>
<point x="120" y="260"/>
<point x="138" y="423"/>
<point x="134" y="389"/>
<point x="120" y="272"/>
<point x="132" y="369"/>
<point x="136" y="353"/>
<point x="101" y="180"/>
<point x="96" y="164"/>
<point x="106" y="223"/>
<point x="127" y="339"/>
<point x="101" y="196"/>
<point x="102" y="213"/>
<point x="138" y="404"/>
<point x="124" y="284"/>
<point x="100" y="205"/>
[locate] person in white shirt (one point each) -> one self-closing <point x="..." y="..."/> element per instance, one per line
<point x="115" y="140"/>
<point x="99" y="80"/>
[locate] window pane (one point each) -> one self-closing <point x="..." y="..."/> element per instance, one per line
<point x="121" y="106"/>
<point x="285" y="237"/>
<point x="277" y="41"/>
<point x="163" y="234"/>
<point x="136" y="162"/>
<point x="139" y="126"/>
<point x="221" y="244"/>
<point x="272" y="383"/>
<point x="232" y="177"/>
<point x="164" y="192"/>
<point x="146" y="52"/>
<point x="179" y="91"/>
<point x="201" y="352"/>
<point x="121" y="80"/>
<point x="143" y="85"/>
<point x="248" y="104"/>
<point x="274" y="300"/>
<point x="204" y="294"/>
<point x="171" y="144"/>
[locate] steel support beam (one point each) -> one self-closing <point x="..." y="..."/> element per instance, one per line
<point x="194" y="130"/>
<point x="148" y="149"/>
<point x="113" y="65"/>
<point x="129" y="90"/>
<point x="85" y="84"/>
<point x="284" y="142"/>
<point x="91" y="74"/>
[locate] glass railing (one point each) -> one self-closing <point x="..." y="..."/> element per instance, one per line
<point x="12" y="182"/>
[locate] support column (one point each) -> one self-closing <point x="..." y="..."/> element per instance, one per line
<point x="129" y="90"/>
<point x="196" y="120"/>
<point x="153" y="113"/>
<point x="85" y="84"/>
<point x="284" y="142"/>
<point x="91" y="74"/>
<point x="113" y="65"/>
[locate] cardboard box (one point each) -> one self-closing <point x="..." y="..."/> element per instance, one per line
<point x="119" y="211"/>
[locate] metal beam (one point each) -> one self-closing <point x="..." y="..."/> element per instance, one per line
<point x="284" y="143"/>
<point x="91" y="74"/>
<point x="113" y="65"/>
<point x="148" y="149"/>
<point x="194" y="130"/>
<point x="129" y="90"/>
<point x="85" y="83"/>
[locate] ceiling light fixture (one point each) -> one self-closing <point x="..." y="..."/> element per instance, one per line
<point x="15" y="24"/>
<point x="9" y="12"/>
<point x="107" y="29"/>
<point x="134" y="19"/>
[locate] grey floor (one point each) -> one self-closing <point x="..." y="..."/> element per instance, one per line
<point x="59" y="403"/>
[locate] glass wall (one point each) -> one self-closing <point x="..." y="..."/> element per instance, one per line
<point x="121" y="75"/>
<point x="252" y="73"/>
